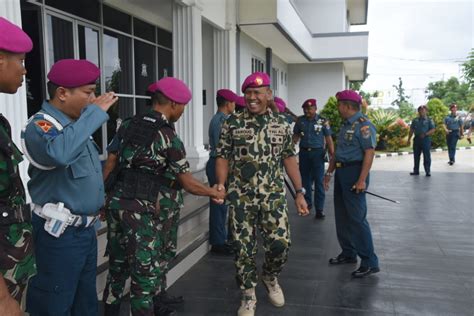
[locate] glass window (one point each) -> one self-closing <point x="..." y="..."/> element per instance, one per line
<point x="117" y="19"/>
<point x="87" y="9"/>
<point x="165" y="38"/>
<point x="145" y="66"/>
<point x="143" y="105"/>
<point x="117" y="63"/>
<point x="60" y="40"/>
<point x="117" y="113"/>
<point x="89" y="46"/>
<point x="144" y="30"/>
<point x="165" y="63"/>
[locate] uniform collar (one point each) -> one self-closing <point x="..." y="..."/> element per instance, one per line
<point x="159" y="115"/>
<point x="354" y="117"/>
<point x="60" y="116"/>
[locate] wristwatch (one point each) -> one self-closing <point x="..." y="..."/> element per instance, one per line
<point x="302" y="191"/>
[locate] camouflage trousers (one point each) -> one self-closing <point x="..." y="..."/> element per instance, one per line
<point x="17" y="261"/>
<point x="168" y="236"/>
<point x="268" y="215"/>
<point x="133" y="248"/>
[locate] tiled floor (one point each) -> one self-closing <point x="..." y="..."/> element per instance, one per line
<point x="425" y="246"/>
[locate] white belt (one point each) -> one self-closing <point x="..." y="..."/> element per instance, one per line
<point x="74" y="220"/>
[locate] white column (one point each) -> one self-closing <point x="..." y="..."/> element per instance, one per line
<point x="14" y="106"/>
<point x="225" y="58"/>
<point x="187" y="66"/>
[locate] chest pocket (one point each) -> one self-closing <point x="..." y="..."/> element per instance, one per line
<point x="82" y="167"/>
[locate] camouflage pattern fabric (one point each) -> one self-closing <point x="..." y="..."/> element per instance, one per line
<point x="255" y="146"/>
<point x="165" y="156"/>
<point x="133" y="251"/>
<point x="17" y="263"/>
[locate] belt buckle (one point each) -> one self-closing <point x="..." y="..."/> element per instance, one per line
<point x="338" y="164"/>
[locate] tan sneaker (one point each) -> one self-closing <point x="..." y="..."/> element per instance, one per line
<point x="275" y="293"/>
<point x="248" y="304"/>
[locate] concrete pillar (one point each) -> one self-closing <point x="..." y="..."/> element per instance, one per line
<point x="225" y="58"/>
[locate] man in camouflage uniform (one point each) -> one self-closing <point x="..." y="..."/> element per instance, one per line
<point x="257" y="143"/>
<point x="17" y="263"/>
<point x="143" y="206"/>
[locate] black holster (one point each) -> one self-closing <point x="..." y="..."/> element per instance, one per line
<point x="14" y="215"/>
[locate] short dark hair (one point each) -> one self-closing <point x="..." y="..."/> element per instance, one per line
<point x="52" y="88"/>
<point x="159" y="98"/>
<point x="352" y="104"/>
<point x="220" y="101"/>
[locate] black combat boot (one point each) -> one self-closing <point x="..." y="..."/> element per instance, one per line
<point x="167" y="299"/>
<point x="161" y="309"/>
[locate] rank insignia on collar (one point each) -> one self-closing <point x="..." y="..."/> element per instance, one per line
<point x="44" y="125"/>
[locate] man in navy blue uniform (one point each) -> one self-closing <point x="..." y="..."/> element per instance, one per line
<point x="67" y="190"/>
<point x="423" y="127"/>
<point x="454" y="130"/>
<point x="352" y="162"/>
<point x="313" y="131"/>
<point x="218" y="234"/>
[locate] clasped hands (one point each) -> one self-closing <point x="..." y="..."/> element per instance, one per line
<point x="219" y="193"/>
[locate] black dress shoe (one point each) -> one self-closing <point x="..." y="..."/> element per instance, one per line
<point x="414" y="173"/>
<point x="450" y="163"/>
<point x="111" y="309"/>
<point x="161" y="309"/>
<point x="364" y="271"/>
<point x="166" y="299"/>
<point x="319" y="214"/>
<point x="428" y="174"/>
<point x="224" y="250"/>
<point x="342" y="259"/>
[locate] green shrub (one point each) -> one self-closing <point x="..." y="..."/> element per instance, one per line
<point x="396" y="134"/>
<point x="331" y="113"/>
<point x="382" y="119"/>
<point x="437" y="111"/>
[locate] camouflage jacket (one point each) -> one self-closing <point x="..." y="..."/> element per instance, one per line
<point x="11" y="188"/>
<point x="255" y="146"/>
<point x="165" y="156"/>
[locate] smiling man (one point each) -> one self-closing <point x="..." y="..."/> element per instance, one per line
<point x="253" y="148"/>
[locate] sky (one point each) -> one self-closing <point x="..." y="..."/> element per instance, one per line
<point x="420" y="41"/>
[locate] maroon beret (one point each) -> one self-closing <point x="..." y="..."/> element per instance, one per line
<point x="280" y="104"/>
<point x="172" y="88"/>
<point x="348" y="95"/>
<point x="309" y="102"/>
<point x="72" y="73"/>
<point x="227" y="94"/>
<point x="240" y="102"/>
<point x="13" y="39"/>
<point x="256" y="80"/>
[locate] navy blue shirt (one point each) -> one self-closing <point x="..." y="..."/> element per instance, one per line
<point x="76" y="179"/>
<point x="453" y="123"/>
<point x="357" y="134"/>
<point x="421" y="125"/>
<point x="312" y="131"/>
<point x="215" y="127"/>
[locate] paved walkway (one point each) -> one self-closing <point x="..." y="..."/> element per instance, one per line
<point x="425" y="246"/>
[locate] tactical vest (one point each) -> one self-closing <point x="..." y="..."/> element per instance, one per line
<point x="137" y="183"/>
<point x="9" y="213"/>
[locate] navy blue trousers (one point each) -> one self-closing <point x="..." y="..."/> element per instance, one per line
<point x="66" y="280"/>
<point x="422" y="145"/>
<point x="352" y="227"/>
<point x="452" y="141"/>
<point x="218" y="232"/>
<point x="311" y="164"/>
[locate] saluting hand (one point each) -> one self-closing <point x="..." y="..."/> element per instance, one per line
<point x="105" y="101"/>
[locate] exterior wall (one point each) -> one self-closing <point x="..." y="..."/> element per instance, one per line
<point x="207" y="78"/>
<point x="248" y="48"/>
<point x="319" y="81"/>
<point x="323" y="16"/>
<point x="215" y="12"/>
<point x="282" y="68"/>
